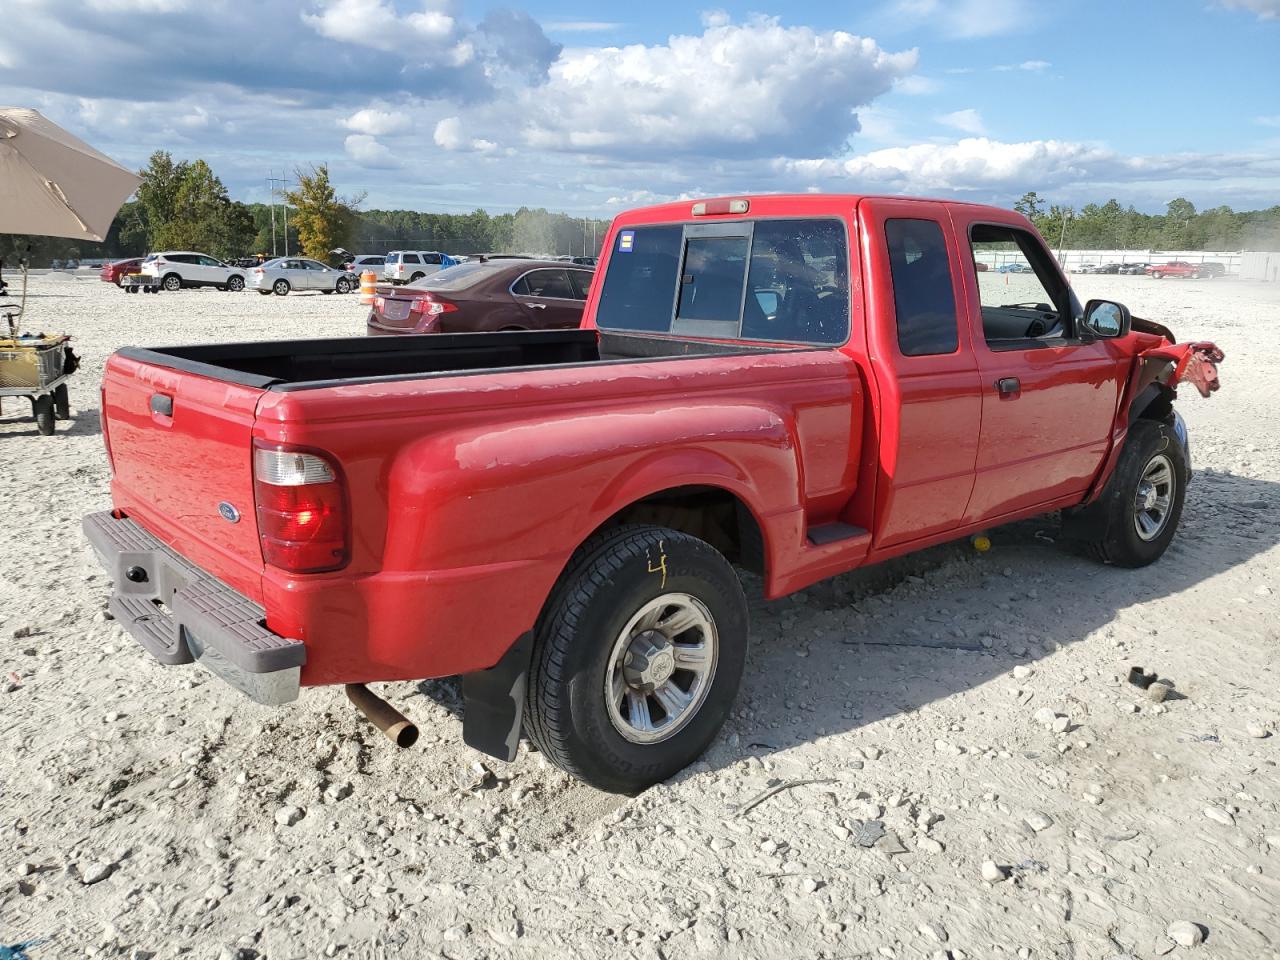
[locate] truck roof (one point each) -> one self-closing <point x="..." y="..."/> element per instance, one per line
<point x="772" y="204"/>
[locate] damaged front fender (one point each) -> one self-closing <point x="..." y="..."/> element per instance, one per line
<point x="1175" y="363"/>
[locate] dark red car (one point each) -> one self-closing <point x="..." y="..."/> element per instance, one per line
<point x="117" y="271"/>
<point x="484" y="297"/>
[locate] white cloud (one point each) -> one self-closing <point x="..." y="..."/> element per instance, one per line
<point x="140" y="6"/>
<point x="376" y="122"/>
<point x="967" y="18"/>
<point x="581" y="26"/>
<point x="1265" y="9"/>
<point x="747" y="87"/>
<point x="449" y="136"/>
<point x="1035" y="66"/>
<point x="366" y="151"/>
<point x="968" y="121"/>
<point x="981" y="164"/>
<point x="380" y="26"/>
<point x="916" y="85"/>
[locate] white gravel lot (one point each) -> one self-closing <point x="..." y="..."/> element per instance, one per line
<point x="150" y="811"/>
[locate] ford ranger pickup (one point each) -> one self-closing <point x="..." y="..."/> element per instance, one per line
<point x="790" y="385"/>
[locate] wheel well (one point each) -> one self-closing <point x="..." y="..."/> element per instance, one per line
<point x="1155" y="402"/>
<point x="708" y="513"/>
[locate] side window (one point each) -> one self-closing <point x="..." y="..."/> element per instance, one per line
<point x="410" y="258"/>
<point x="711" y="284"/>
<point x="798" y="283"/>
<point x="640" y="281"/>
<point x="548" y="283"/>
<point x="581" y="280"/>
<point x="1022" y="296"/>
<point x="431" y="258"/>
<point x="209" y="262"/>
<point x="923" y="298"/>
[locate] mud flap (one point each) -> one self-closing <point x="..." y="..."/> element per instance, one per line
<point x="493" y="702"/>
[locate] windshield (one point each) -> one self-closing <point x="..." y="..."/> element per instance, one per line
<point x="457" y="278"/>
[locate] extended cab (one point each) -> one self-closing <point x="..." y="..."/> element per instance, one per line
<point x="795" y="385"/>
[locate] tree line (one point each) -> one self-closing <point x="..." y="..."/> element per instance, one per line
<point x="1109" y="226"/>
<point x="183" y="205"/>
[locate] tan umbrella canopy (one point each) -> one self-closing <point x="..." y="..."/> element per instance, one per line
<point x="53" y="184"/>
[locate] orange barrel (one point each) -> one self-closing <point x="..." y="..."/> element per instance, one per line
<point x="367" y="280"/>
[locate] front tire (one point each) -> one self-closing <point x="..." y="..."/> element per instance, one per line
<point x="637" y="657"/>
<point x="61" y="402"/>
<point x="343" y="285"/>
<point x="1136" y="516"/>
<point x="43" y="409"/>
<point x="235" y="284"/>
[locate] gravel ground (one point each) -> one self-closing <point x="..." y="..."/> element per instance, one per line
<point x="1036" y="805"/>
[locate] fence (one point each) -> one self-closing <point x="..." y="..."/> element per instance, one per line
<point x="1071" y="259"/>
<point x="1260" y="265"/>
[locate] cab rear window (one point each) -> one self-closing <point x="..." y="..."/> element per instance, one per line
<point x="777" y="280"/>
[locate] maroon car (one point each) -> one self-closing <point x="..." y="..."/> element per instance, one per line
<point x="117" y="271"/>
<point x="484" y="297"/>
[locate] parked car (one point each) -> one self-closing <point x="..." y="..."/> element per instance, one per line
<point x="177" y="270"/>
<point x="1174" y="268"/>
<point x="283" y="274"/>
<point x="409" y="266"/>
<point x="980" y="266"/>
<point x="1084" y="268"/>
<point x="359" y="263"/>
<point x="477" y="297"/>
<point x="1013" y="268"/>
<point x="1210" y="269"/>
<point x="1108" y="268"/>
<point x="116" y="272"/>
<point x="556" y="516"/>
<point x="1134" y="268"/>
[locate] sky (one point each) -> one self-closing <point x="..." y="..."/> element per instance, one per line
<point x="590" y="108"/>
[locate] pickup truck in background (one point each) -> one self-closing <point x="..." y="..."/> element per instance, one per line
<point x="794" y="385"/>
<point x="1180" y="268"/>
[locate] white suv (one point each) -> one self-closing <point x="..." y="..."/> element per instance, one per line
<point x="409" y="266"/>
<point x="182" y="268"/>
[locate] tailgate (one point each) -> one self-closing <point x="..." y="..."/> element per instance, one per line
<point x="181" y="446"/>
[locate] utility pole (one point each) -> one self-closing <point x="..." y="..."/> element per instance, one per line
<point x="283" y="183"/>
<point x="1062" y="237"/>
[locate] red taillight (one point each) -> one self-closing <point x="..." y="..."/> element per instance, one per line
<point x="102" y="422"/>
<point x="302" y="508"/>
<point x="257" y="271"/>
<point x="431" y="307"/>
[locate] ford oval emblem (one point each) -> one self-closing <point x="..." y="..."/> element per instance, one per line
<point x="229" y="513"/>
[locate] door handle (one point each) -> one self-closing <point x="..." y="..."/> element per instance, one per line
<point x="538" y="306"/>
<point x="162" y="404"/>
<point x="1008" y="386"/>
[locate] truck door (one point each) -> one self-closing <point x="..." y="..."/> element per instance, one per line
<point x="927" y="375"/>
<point x="1048" y="396"/>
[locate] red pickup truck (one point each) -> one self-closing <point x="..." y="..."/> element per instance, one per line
<point x="1180" y="268"/>
<point x="794" y="385"/>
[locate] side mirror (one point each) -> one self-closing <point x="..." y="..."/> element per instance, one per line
<point x="1106" y="319"/>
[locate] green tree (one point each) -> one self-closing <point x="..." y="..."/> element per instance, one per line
<point x="323" y="219"/>
<point x="158" y="194"/>
<point x="1030" y="205"/>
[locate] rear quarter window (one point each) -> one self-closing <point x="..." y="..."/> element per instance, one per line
<point x="923" y="297"/>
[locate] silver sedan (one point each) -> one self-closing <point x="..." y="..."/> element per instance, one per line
<point x="283" y="274"/>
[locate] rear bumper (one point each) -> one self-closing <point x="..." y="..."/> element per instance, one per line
<point x="181" y="614"/>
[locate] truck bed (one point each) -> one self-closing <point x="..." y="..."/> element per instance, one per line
<point x="311" y="364"/>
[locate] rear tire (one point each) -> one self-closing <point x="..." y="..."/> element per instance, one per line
<point x="589" y="707"/>
<point x="1136" y="516"/>
<point x="280" y="288"/>
<point x="1157" y="275"/>
<point x="172" y="282"/>
<point x="416" y="277"/>
<point x="61" y="403"/>
<point x="43" y="409"/>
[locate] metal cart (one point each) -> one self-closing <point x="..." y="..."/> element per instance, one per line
<point x="35" y="366"/>
<point x="144" y="282"/>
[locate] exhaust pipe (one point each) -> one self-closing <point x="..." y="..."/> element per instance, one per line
<point x="398" y="728"/>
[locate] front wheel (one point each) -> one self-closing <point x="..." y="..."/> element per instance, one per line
<point x="1137" y="514"/>
<point x="235" y="284"/>
<point x="637" y="657"/>
<point x="61" y="402"/>
<point x="43" y="409"/>
<point x="280" y="287"/>
<point x="343" y="285"/>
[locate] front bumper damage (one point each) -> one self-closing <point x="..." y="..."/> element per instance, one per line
<point x="181" y="614"/>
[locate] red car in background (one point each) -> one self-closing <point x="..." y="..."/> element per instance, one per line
<point x="1180" y="268"/>
<point x="486" y="296"/>
<point x="116" y="271"/>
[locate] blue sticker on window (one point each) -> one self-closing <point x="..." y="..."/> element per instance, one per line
<point x="626" y="241"/>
